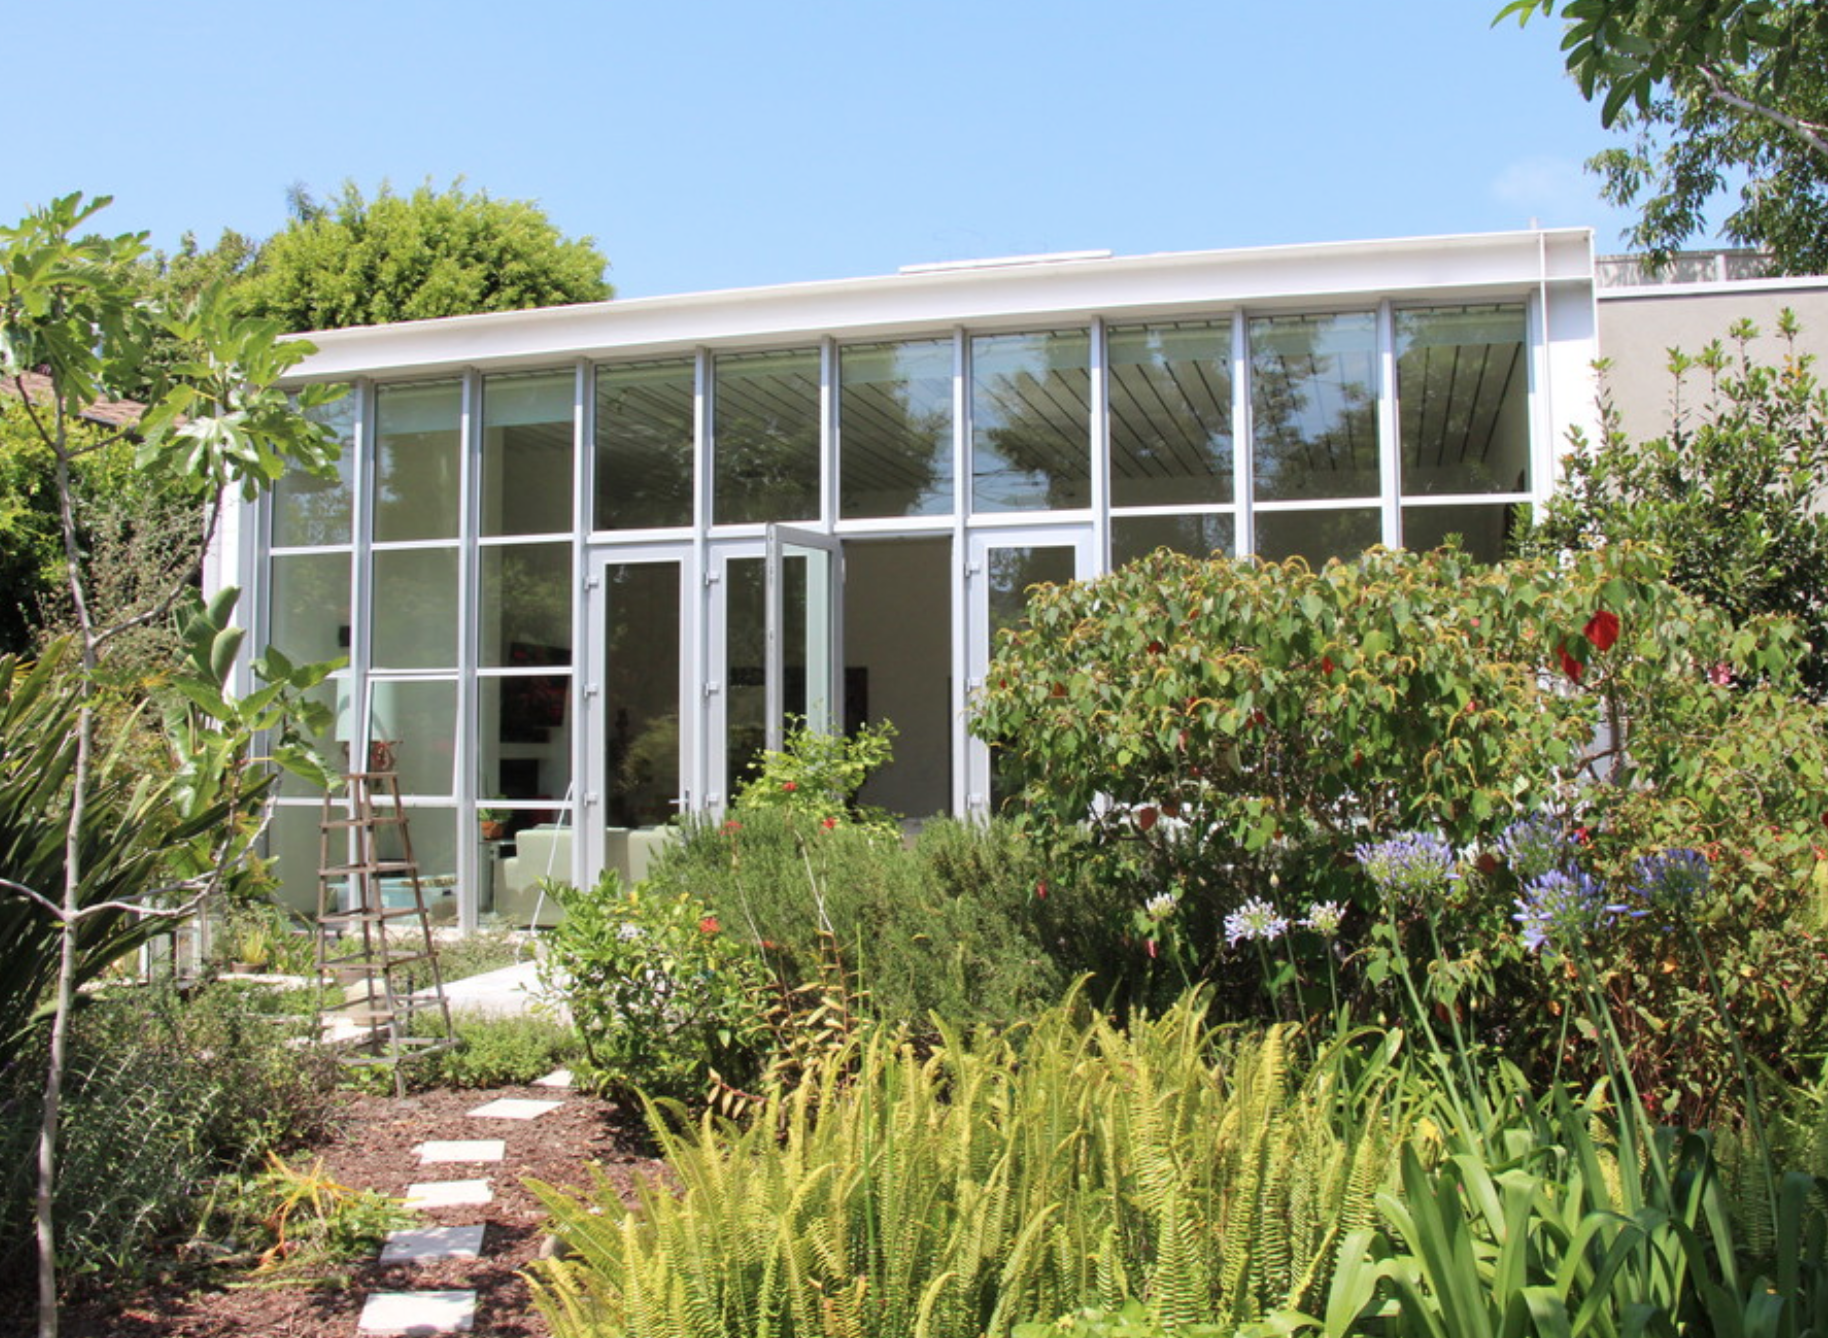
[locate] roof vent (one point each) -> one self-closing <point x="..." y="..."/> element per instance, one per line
<point x="1004" y="262"/>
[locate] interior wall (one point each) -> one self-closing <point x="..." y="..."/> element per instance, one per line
<point x="897" y="628"/>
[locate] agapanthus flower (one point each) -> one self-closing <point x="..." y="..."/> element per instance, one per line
<point x="1255" y="919"/>
<point x="1160" y="906"/>
<point x="1671" y="880"/>
<point x="1534" y="846"/>
<point x="1324" y="918"/>
<point x="1409" y="867"/>
<point x="1559" y="909"/>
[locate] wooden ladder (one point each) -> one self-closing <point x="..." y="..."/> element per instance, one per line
<point x="370" y="954"/>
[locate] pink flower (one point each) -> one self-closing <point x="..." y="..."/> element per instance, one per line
<point x="1721" y="675"/>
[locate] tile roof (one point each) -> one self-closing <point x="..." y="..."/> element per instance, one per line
<point x="107" y="413"/>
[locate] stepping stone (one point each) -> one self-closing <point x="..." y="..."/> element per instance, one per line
<point x="514" y="1108"/>
<point x="557" y="1078"/>
<point x="419" y="1243"/>
<point x="462" y="1149"/>
<point x="418" y="1312"/>
<point x="448" y="1194"/>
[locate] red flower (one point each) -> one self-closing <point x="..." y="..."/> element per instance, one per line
<point x="829" y="823"/>
<point x="1041" y="887"/>
<point x="1569" y="665"/>
<point x="709" y="925"/>
<point x="1326" y="664"/>
<point x="789" y="786"/>
<point x="1602" y="630"/>
<point x="733" y="826"/>
<point x="1155" y="648"/>
<point x="1145" y="818"/>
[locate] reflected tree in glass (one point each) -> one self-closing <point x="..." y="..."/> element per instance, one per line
<point x="645" y="445"/>
<point x="895" y="429"/>
<point x="1170" y="414"/>
<point x="765" y="437"/>
<point x="1314" y="406"/>
<point x="1031" y="416"/>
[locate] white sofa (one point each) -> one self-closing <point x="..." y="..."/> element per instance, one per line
<point x="545" y="852"/>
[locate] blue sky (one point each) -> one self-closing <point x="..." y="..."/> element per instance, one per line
<point x="717" y="145"/>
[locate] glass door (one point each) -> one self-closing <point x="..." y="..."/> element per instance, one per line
<point x="805" y="672"/>
<point x="641" y="730"/>
<point x="1003" y="565"/>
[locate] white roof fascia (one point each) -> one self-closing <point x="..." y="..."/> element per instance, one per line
<point x="939" y="300"/>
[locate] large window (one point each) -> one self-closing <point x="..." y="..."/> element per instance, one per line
<point x="418" y="462"/>
<point x="765" y="437"/>
<point x="526" y="454"/>
<point x="895" y="429"/>
<point x="645" y="445"/>
<point x="1031" y="421"/>
<point x="1313" y="399"/>
<point x="1170" y="398"/>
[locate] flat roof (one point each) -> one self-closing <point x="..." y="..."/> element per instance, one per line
<point x="1009" y="293"/>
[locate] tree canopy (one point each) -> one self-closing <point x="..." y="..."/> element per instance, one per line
<point x="1705" y="91"/>
<point x="356" y="261"/>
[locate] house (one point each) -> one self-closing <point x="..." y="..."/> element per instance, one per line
<point x="584" y="560"/>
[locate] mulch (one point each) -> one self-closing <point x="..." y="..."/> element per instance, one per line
<point x="373" y="1148"/>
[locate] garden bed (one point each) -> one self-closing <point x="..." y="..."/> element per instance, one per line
<point x="373" y="1148"/>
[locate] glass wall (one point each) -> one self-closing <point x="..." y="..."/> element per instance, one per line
<point x="1170" y="407"/>
<point x="765" y="437"/>
<point x="644" y="445"/>
<point x="526" y="454"/>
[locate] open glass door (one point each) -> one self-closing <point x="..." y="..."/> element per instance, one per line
<point x="1002" y="566"/>
<point x="805" y="641"/>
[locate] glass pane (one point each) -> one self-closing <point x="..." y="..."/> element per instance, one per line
<point x="644" y="445"/>
<point x="1031" y="421"/>
<point x="294" y="846"/>
<point x="310" y="511"/>
<point x="745" y="667"/>
<point x="434" y="836"/>
<point x="808" y="694"/>
<point x="1196" y="536"/>
<point x="526" y="606"/>
<point x="1317" y="535"/>
<point x="766" y="437"/>
<point x="309" y="621"/>
<point x="1012" y="572"/>
<point x="415" y="724"/>
<point x="332" y="745"/>
<point x="1170" y="393"/>
<point x="1313" y="402"/>
<point x="643" y="693"/>
<point x="415" y="608"/>
<point x="524" y="737"/>
<point x="417" y="461"/>
<point x="1483" y="531"/>
<point x="527" y="485"/>
<point x="895" y="429"/>
<point x="1463" y="400"/>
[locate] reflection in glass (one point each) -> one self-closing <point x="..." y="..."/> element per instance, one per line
<point x="523" y="737"/>
<point x="642" y="692"/>
<point x="1463" y="400"/>
<point x="308" y="511"/>
<point x="294" y="847"/>
<point x="1484" y="531"/>
<point x="417" y="721"/>
<point x="644" y="444"/>
<point x="1317" y="536"/>
<point x="415" y="608"/>
<point x="765" y="437"/>
<point x="332" y="743"/>
<point x="1170" y="397"/>
<point x="525" y="615"/>
<point x="434" y="836"/>
<point x="1200" y="536"/>
<point x="526" y="454"/>
<point x="1314" y="406"/>
<point x="417" y="461"/>
<point x="745" y="667"/>
<point x="1013" y="571"/>
<point x="895" y="429"/>
<point x="1031" y="421"/>
<point x="309" y="620"/>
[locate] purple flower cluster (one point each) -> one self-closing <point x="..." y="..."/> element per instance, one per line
<point x="1672" y="881"/>
<point x="1561" y="909"/>
<point x="1535" y="846"/>
<point x="1255" y="919"/>
<point x="1410" y="867"/>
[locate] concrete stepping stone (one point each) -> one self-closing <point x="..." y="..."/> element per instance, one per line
<point x="449" y="1194"/>
<point x="418" y="1313"/>
<point x="556" y="1078"/>
<point x="424" y="1243"/>
<point x="462" y="1149"/>
<point x="514" y="1108"/>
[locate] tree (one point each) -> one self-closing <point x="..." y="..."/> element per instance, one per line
<point x="353" y="261"/>
<point x="125" y="844"/>
<point x="1708" y="89"/>
<point x="1729" y="495"/>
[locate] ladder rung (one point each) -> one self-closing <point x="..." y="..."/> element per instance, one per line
<point x="376" y="820"/>
<point x="369" y="866"/>
<point x="376" y="961"/>
<point x="390" y="913"/>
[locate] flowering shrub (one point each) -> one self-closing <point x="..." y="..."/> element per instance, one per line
<point x="818" y="775"/>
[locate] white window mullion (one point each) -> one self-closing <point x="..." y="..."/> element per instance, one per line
<point x="1389" y="447"/>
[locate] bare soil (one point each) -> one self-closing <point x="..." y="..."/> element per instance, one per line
<point x="373" y="1148"/>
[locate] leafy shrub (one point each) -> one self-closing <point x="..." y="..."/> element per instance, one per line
<point x="977" y="924"/>
<point x="164" y="1093"/>
<point x="508" y="1051"/>
<point x="301" y="1220"/>
<point x="1000" y="1178"/>
<point x="818" y="775"/>
<point x="1226" y="733"/>
<point x="663" y="999"/>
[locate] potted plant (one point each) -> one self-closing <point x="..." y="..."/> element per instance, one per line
<point x="494" y="823"/>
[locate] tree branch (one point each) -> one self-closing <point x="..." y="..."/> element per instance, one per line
<point x="1812" y="133"/>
